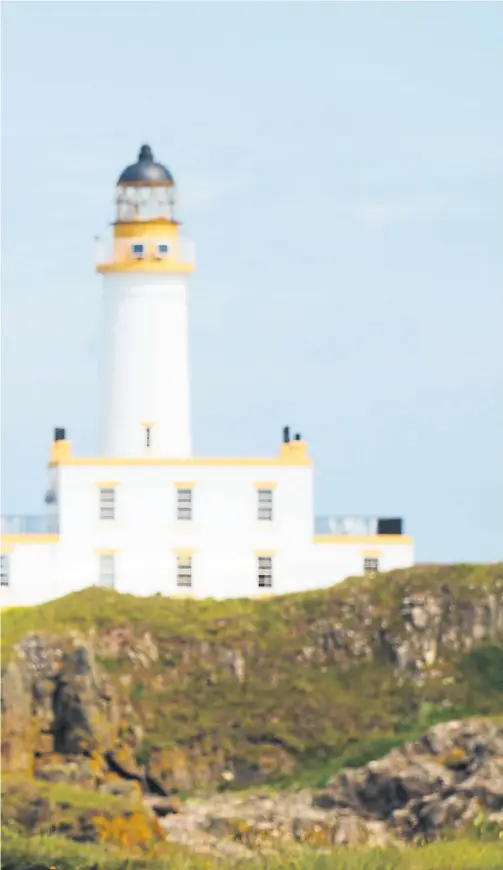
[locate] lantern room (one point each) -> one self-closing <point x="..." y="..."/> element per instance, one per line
<point x="145" y="191"/>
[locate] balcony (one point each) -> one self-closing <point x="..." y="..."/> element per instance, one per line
<point x="111" y="255"/>
<point x="343" y="525"/>
<point x="29" y="524"/>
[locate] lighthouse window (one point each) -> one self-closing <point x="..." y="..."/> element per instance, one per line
<point x="107" y="570"/>
<point x="370" y="566"/>
<point x="4" y="570"/>
<point x="107" y="503"/>
<point x="184" y="504"/>
<point x="162" y="249"/>
<point x="184" y="571"/>
<point x="137" y="249"/>
<point x="265" y="572"/>
<point x="264" y="505"/>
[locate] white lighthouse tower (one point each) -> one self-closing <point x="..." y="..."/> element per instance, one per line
<point x="144" y="354"/>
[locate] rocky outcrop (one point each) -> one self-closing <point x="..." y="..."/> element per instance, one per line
<point x="442" y="780"/>
<point x="192" y="696"/>
<point x="54" y="702"/>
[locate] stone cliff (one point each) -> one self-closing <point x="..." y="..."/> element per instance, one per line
<point x="193" y="696"/>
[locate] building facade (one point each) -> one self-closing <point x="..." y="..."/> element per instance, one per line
<point x="146" y="516"/>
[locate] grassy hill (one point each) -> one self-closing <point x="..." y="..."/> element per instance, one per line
<point x="201" y="695"/>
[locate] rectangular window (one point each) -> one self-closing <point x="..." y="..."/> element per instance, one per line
<point x="148" y="436"/>
<point x="107" y="570"/>
<point x="184" y="571"/>
<point x="184" y="504"/>
<point x="265" y="572"/>
<point x="370" y="566"/>
<point x="107" y="503"/>
<point x="264" y="504"/>
<point x="4" y="570"/>
<point x="162" y="249"/>
<point x="137" y="249"/>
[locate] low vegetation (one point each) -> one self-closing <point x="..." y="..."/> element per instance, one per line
<point x="121" y="694"/>
<point x="56" y="853"/>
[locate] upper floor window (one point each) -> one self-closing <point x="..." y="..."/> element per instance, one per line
<point x="264" y="504"/>
<point x="107" y="503"/>
<point x="148" y="436"/>
<point x="184" y="504"/>
<point x="370" y="566"/>
<point x="107" y="570"/>
<point x="138" y="249"/>
<point x="162" y="249"/>
<point x="4" y="570"/>
<point x="265" y="572"/>
<point x="184" y="570"/>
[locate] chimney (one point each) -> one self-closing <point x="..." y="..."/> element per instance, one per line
<point x="286" y="435"/>
<point x="59" y="434"/>
<point x="297" y="436"/>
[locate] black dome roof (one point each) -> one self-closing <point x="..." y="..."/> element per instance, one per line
<point x="146" y="171"/>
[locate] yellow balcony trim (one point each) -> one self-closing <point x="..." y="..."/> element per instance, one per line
<point x="107" y="484"/>
<point x="364" y="539"/>
<point x="146" y="265"/>
<point x="184" y="484"/>
<point x="156" y="228"/>
<point x="9" y="540"/>
<point x="265" y="484"/>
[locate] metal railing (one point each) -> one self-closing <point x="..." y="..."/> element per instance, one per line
<point x="348" y="525"/>
<point x="29" y="524"/>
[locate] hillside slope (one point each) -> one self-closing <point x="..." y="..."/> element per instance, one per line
<point x="195" y="695"/>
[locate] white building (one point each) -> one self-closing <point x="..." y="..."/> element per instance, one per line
<point x="146" y="515"/>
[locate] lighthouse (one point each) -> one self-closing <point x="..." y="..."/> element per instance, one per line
<point x="144" y="372"/>
<point x="146" y="516"/>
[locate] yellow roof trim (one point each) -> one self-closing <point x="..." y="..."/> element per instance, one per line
<point x="29" y="538"/>
<point x="292" y="454"/>
<point x="184" y="484"/>
<point x="110" y="484"/>
<point x="265" y="552"/>
<point x="265" y="484"/>
<point x="192" y="461"/>
<point x="363" y="539"/>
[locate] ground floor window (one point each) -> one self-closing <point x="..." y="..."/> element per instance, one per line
<point x="265" y="572"/>
<point x="370" y="566"/>
<point x="184" y="571"/>
<point x="107" y="570"/>
<point x="5" y="570"/>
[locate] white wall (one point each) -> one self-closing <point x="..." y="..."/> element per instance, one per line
<point x="224" y="533"/>
<point x="145" y="365"/>
<point x="33" y="575"/>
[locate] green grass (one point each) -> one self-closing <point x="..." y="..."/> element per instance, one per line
<point x="304" y="709"/>
<point x="54" y="853"/>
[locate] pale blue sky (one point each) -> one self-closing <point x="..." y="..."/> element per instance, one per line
<point x="340" y="169"/>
